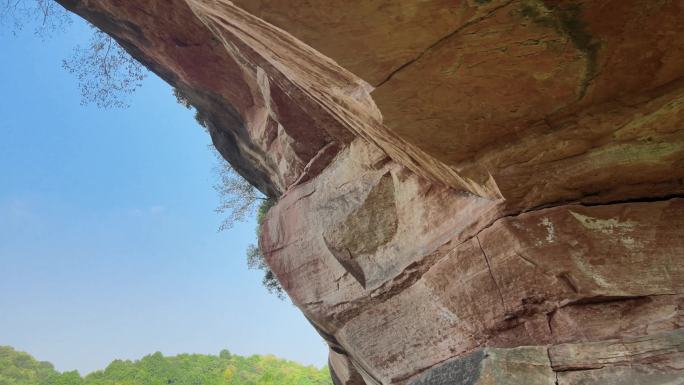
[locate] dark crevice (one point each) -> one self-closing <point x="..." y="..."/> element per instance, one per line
<point x="578" y="202"/>
<point x="555" y="373"/>
<point x="549" y="321"/>
<point x="441" y="40"/>
<point x="409" y="276"/>
<point x="303" y="197"/>
<point x="577" y="369"/>
<point x="567" y="278"/>
<point x="636" y="200"/>
<point x="610" y="299"/>
<point x="525" y="259"/>
<point x="491" y="273"/>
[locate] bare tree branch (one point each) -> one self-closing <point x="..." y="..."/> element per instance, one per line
<point x="106" y="73"/>
<point x="46" y="16"/>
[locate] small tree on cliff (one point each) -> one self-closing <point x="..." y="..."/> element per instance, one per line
<point x="239" y="199"/>
<point x="255" y="255"/>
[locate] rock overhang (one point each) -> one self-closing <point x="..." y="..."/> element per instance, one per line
<point x="453" y="175"/>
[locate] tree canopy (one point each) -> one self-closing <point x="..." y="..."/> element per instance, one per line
<point x="17" y="368"/>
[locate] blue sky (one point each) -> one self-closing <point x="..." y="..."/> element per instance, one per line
<point x="108" y="240"/>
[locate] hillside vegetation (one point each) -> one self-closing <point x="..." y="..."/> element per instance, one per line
<point x="17" y="368"/>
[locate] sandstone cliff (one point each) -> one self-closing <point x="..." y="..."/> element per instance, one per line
<point x="470" y="191"/>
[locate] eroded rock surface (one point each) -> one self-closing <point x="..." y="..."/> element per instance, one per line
<point x="470" y="191"/>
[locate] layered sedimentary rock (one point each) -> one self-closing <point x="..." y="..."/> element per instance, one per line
<point x="469" y="192"/>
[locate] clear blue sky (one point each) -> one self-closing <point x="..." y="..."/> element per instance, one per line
<point x="108" y="240"/>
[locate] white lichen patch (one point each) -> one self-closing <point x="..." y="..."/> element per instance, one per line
<point x="447" y="314"/>
<point x="590" y="271"/>
<point x="518" y="226"/>
<point x="618" y="230"/>
<point x="629" y="242"/>
<point x="605" y="226"/>
<point x="550" y="230"/>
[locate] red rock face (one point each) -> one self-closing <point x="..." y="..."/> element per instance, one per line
<point x="476" y="192"/>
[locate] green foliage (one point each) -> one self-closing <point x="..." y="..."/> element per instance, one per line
<point x="225" y="354"/>
<point x="255" y="257"/>
<point x="269" y="370"/>
<point x="66" y="378"/>
<point x="567" y="20"/>
<point x="238" y="199"/>
<point x="18" y="368"/>
<point x="182" y="99"/>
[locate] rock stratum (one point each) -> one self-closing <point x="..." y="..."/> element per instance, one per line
<point x="469" y="191"/>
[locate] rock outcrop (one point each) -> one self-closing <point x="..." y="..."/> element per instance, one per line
<point x="470" y="191"/>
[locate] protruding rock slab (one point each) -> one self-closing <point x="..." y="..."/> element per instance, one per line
<point x="635" y="375"/>
<point x="355" y="239"/>
<point x="664" y="349"/>
<point x="656" y="359"/>
<point x="342" y="370"/>
<point x="491" y="366"/>
<point x="647" y="360"/>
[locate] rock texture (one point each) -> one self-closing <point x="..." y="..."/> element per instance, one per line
<point x="470" y="191"/>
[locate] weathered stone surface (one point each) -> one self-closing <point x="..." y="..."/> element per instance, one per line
<point x="370" y="38"/>
<point x="453" y="176"/>
<point x="656" y="359"/>
<point x="635" y="375"/>
<point x="354" y="240"/>
<point x="506" y="291"/>
<point x="342" y="370"/>
<point x="524" y="72"/>
<point x="575" y="253"/>
<point x="661" y="349"/>
<point x="519" y="366"/>
<point x="615" y="318"/>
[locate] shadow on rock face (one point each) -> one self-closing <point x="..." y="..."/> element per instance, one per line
<point x="364" y="230"/>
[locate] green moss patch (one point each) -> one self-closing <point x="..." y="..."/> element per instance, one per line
<point x="567" y="20"/>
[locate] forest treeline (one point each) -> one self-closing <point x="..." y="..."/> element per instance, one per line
<point x="18" y="368"/>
